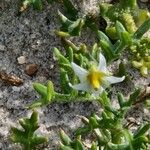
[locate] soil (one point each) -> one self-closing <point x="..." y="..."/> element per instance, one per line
<point x="31" y="34"/>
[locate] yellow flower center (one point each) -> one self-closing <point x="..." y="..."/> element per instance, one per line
<point x="95" y="78"/>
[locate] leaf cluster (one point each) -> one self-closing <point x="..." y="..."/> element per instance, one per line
<point x="109" y="129"/>
<point x="127" y="12"/>
<point x="125" y="30"/>
<point x="26" y="136"/>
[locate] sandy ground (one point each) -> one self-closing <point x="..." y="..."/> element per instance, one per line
<point x="31" y="34"/>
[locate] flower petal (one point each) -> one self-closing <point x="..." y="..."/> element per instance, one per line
<point x="112" y="79"/>
<point x="80" y="72"/>
<point x="81" y="86"/>
<point x="102" y="63"/>
<point x="98" y="92"/>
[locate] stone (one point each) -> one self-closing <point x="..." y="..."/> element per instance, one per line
<point x="21" y="60"/>
<point x="2" y="47"/>
<point x="31" y="69"/>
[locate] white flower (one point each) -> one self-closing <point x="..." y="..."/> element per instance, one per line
<point x="96" y="79"/>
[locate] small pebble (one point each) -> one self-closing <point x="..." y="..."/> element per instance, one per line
<point x="16" y="89"/>
<point x="21" y="60"/>
<point x="2" y="47"/>
<point x="51" y="66"/>
<point x="31" y="69"/>
<point x="131" y="119"/>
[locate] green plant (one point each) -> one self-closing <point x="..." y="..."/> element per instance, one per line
<point x="138" y="45"/>
<point x="38" y="5"/>
<point x="84" y="76"/>
<point x="69" y="27"/>
<point x="26" y="136"/>
<point x="125" y="40"/>
<point x="46" y="94"/>
<point x="109" y="129"/>
<point x="68" y="144"/>
<point x="127" y="12"/>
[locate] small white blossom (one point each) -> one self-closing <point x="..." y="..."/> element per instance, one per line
<point x="96" y="79"/>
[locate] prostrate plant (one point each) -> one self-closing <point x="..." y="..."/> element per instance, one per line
<point x="69" y="27"/>
<point x="138" y="45"/>
<point x="136" y="22"/>
<point x="38" y="5"/>
<point x="68" y="144"/>
<point x="141" y="49"/>
<point x="26" y="137"/>
<point x="84" y="76"/>
<point x="76" y="144"/>
<point x="110" y="131"/>
<point x="113" y="51"/>
<point x="46" y="93"/>
<point x="126" y="27"/>
<point x="127" y="12"/>
<point x="93" y="78"/>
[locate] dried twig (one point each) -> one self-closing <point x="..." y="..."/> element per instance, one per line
<point x="10" y="79"/>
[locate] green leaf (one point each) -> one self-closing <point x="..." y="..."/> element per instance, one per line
<point x="75" y="28"/>
<point x="61" y="59"/>
<point x="37" y="4"/>
<point x="63" y="147"/>
<point x="38" y="140"/>
<point x="105" y="101"/>
<point x="126" y="38"/>
<point x="77" y="145"/>
<point x="70" y="54"/>
<point x="91" y="23"/>
<point x="93" y="122"/>
<point x="95" y="51"/>
<point x="65" y="138"/>
<point x="65" y="22"/>
<point x="64" y="81"/>
<point x="133" y="97"/>
<point x="121" y="100"/>
<point x="34" y="120"/>
<point x="104" y="7"/>
<point x="140" y="142"/>
<point x="94" y="146"/>
<point x="108" y="52"/>
<point x="112" y="110"/>
<point x="120" y="29"/>
<point x="23" y="123"/>
<point x="18" y="136"/>
<point x="67" y="43"/>
<point x="112" y="146"/>
<point x="82" y="131"/>
<point x="41" y="89"/>
<point x="142" y="130"/>
<point x="71" y="10"/>
<point x="120" y="46"/>
<point x="27" y="137"/>
<point x="37" y="103"/>
<point x="111" y="32"/>
<point x="128" y="4"/>
<point x="62" y="34"/>
<point x="142" y="29"/>
<point x="50" y="91"/>
<point x="103" y="37"/>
